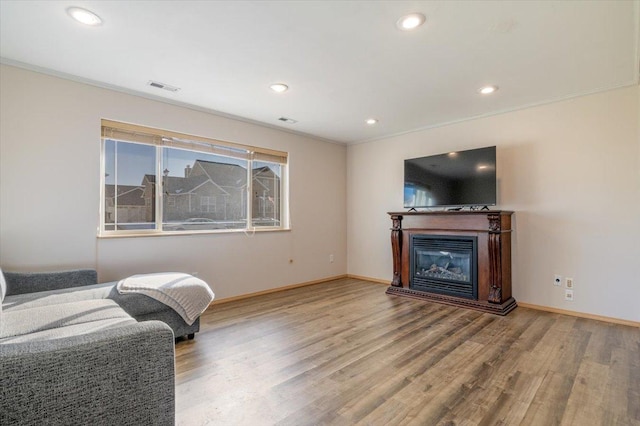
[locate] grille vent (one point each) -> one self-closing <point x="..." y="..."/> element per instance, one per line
<point x="163" y="86"/>
<point x="442" y="244"/>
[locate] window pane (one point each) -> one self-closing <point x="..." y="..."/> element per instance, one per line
<point x="266" y="193"/>
<point x="129" y="186"/>
<point x="203" y="191"/>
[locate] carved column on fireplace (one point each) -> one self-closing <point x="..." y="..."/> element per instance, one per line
<point x="491" y="229"/>
<point x="495" y="290"/>
<point x="396" y="241"/>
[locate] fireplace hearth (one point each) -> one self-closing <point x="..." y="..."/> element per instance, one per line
<point x="460" y="258"/>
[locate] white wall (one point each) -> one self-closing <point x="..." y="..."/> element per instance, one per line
<point x="571" y="172"/>
<point x="50" y="179"/>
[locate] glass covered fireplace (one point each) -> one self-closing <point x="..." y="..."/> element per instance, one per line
<point x="444" y="264"/>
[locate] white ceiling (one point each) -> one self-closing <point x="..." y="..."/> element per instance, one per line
<point x="344" y="61"/>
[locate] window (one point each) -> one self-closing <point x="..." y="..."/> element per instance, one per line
<point x="266" y="190"/>
<point x="158" y="182"/>
<point x="127" y="197"/>
<point x="208" y="204"/>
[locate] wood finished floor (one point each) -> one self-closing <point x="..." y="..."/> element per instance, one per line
<point x="345" y="353"/>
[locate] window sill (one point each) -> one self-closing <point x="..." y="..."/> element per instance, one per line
<point x="190" y="233"/>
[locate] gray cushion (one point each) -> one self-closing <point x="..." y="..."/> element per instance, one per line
<point x="55" y="297"/>
<point x="173" y="320"/>
<point x="137" y="304"/>
<point x="18" y="282"/>
<point x="70" y="330"/>
<point x="23" y="321"/>
<point x="133" y="304"/>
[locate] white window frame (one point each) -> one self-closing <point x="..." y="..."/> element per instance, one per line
<point x="129" y="133"/>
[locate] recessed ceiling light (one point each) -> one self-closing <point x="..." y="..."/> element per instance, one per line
<point x="279" y="87"/>
<point x="487" y="90"/>
<point x="84" y="16"/>
<point x="411" y="21"/>
<point x="371" y="121"/>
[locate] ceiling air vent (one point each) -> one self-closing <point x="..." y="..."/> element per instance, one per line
<point x="288" y="120"/>
<point x="159" y="85"/>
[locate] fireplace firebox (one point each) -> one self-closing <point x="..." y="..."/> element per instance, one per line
<point x="445" y="265"/>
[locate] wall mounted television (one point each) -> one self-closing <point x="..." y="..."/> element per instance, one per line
<point x="454" y="179"/>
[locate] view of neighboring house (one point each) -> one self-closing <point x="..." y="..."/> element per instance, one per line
<point x="266" y="199"/>
<point x="209" y="190"/>
<point x="131" y="204"/>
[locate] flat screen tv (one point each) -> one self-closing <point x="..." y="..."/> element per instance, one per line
<point x="454" y="179"/>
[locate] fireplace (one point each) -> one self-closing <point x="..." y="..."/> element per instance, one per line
<point x="460" y="258"/>
<point x="444" y="264"/>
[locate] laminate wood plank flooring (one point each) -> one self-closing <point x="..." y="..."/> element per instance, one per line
<point x="346" y="353"/>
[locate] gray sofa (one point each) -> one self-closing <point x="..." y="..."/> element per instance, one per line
<point x="76" y="352"/>
<point x="41" y="289"/>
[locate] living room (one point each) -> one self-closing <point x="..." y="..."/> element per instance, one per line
<point x="568" y="166"/>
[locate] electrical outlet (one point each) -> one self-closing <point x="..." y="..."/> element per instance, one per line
<point x="568" y="282"/>
<point x="557" y="281"/>
<point x="568" y="295"/>
<point x="330" y="258"/>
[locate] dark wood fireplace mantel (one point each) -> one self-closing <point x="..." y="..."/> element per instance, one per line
<point x="492" y="228"/>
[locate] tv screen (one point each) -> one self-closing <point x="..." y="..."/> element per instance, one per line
<point x="460" y="178"/>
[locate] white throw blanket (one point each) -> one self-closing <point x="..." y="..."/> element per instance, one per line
<point x="187" y="295"/>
